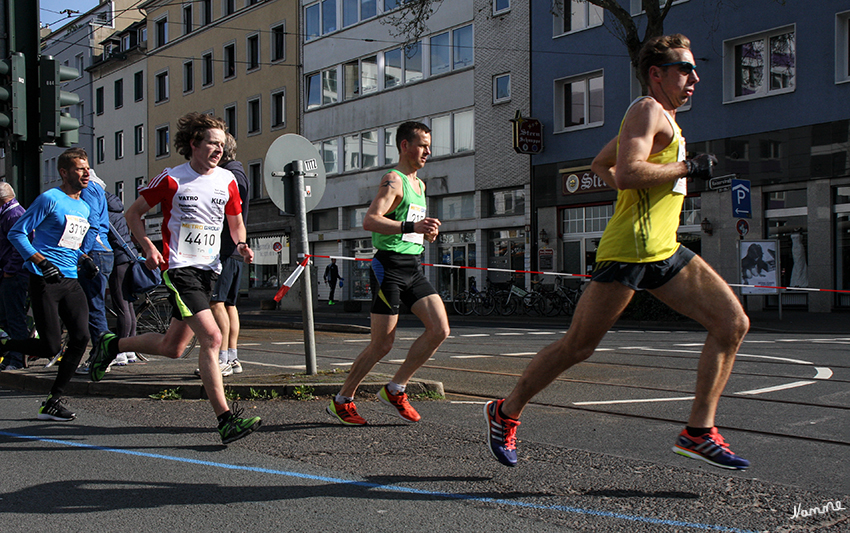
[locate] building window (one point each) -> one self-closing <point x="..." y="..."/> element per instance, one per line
<point x="100" y="150"/>
<point x="278" y="109"/>
<point x="392" y="68"/>
<point x="329" y="152"/>
<point x="500" y="6"/>
<point x="119" y="93"/>
<point x="254" y="125"/>
<point x="637" y="5"/>
<point x="503" y="203"/>
<point x="354" y="11"/>
<point x="574" y="15"/>
<point x="230" y="119"/>
<point x="229" y="61"/>
<point x="253" y="52"/>
<point x="451" y="50"/>
<point x="458" y="207"/>
<point x="140" y="182"/>
<point x="278" y="42"/>
<point x="119" y="145"/>
<point x="126" y="42"/>
<point x="501" y="88"/>
<point x="325" y="220"/>
<point x="322" y="89"/>
<point x="368" y="75"/>
<point x="691" y="209"/>
<point x="841" y="231"/>
<point x="139" y="138"/>
<point x="207" y="77"/>
<point x="390" y="148"/>
<point x="842" y="47"/>
<point x="187" y="19"/>
<point x="229" y="7"/>
<point x="403" y="65"/>
<point x="139" y="86"/>
<point x="351" y="79"/>
<point x="311" y="22"/>
<point x="188" y="76"/>
<point x="453" y="133"/>
<point x="161" y="80"/>
<point x="206" y="12"/>
<point x="162" y="144"/>
<point x="98" y="100"/>
<point x="761" y="65"/>
<point x="255" y="174"/>
<point x="161" y="29"/>
<point x="328" y="16"/>
<point x="119" y="190"/>
<point x="579" y="102"/>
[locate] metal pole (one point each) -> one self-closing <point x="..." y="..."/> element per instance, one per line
<point x="306" y="282"/>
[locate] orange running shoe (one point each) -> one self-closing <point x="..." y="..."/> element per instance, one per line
<point x="399" y="401"/>
<point x="346" y="413"/>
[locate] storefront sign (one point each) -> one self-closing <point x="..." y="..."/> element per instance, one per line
<point x="527" y="135"/>
<point x="581" y="182"/>
<point x="264" y="250"/>
<point x="546" y="259"/>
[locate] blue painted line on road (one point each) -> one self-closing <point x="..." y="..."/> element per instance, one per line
<point x="391" y="488"/>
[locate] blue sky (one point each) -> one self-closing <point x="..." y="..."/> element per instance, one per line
<point x="50" y="10"/>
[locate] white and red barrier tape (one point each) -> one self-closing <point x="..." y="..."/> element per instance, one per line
<point x="297" y="272"/>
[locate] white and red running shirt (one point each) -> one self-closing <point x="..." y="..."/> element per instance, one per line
<point x="193" y="207"/>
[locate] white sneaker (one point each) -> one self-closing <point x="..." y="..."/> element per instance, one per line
<point x="120" y="360"/>
<point x="226" y="370"/>
<point x="83" y="369"/>
<point x="236" y="366"/>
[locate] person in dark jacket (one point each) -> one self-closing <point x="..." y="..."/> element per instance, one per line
<point x="126" y="325"/>
<point x="15" y="278"/>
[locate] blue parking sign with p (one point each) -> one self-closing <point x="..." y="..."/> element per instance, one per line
<point x="741" y="203"/>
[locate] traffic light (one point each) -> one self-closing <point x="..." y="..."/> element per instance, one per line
<point x="57" y="126"/>
<point x="13" y="97"/>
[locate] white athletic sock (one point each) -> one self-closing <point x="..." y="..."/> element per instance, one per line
<point x="395" y="389"/>
<point x="343" y="399"/>
<point x="222" y="357"/>
<point x="231" y="355"/>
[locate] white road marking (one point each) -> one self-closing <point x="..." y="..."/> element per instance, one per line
<point x="356" y="340"/>
<point x="470" y="356"/>
<point x="343" y="364"/>
<point x="250" y="344"/>
<point x="507" y="333"/>
<point x="475" y="335"/>
<point x="776" y="388"/>
<point x="645" y="400"/>
<point x="519" y="353"/>
<point x="823" y="372"/>
<point x="542" y="333"/>
<point x="287" y="343"/>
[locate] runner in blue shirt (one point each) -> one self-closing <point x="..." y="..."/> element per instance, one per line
<point x="60" y="220"/>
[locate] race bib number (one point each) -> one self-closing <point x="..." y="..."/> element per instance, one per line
<point x="199" y="242"/>
<point x="415" y="213"/>
<point x="75" y="229"/>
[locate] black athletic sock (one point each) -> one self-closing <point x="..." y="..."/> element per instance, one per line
<point x="223" y="418"/>
<point x="696" y="432"/>
<point x="501" y="414"/>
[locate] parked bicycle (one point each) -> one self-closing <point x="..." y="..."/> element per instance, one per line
<point x="475" y="301"/>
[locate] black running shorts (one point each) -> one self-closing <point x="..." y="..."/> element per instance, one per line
<point x="189" y="290"/>
<point x="397" y="278"/>
<point x="227" y="287"/>
<point x="642" y="276"/>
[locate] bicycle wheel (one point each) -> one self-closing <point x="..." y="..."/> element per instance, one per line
<point x="463" y="303"/>
<point x="506" y="304"/>
<point x="532" y="304"/>
<point x="484" y="305"/>
<point x="154" y="316"/>
<point x="551" y="304"/>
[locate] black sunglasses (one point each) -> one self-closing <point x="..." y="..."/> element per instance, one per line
<point x="685" y="67"/>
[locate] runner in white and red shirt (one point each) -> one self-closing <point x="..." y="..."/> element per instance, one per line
<point x="196" y="198"/>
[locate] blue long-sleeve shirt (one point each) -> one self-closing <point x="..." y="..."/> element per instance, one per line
<point x="95" y="196"/>
<point x="60" y="223"/>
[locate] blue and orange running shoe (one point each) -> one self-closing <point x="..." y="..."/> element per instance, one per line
<point x="711" y="448"/>
<point x="501" y="434"/>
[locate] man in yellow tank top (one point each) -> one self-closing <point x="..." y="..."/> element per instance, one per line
<point x="646" y="164"/>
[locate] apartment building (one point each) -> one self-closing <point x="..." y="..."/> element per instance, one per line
<point x="771" y="103"/>
<point x="361" y="80"/>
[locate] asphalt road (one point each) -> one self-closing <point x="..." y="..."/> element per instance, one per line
<point x="585" y="465"/>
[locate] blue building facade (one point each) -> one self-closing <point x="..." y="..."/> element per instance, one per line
<point x="773" y="103"/>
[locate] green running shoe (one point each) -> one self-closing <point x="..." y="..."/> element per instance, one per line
<point x="103" y="354"/>
<point x="237" y="427"/>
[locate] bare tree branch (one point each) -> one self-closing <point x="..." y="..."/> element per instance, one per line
<point x="410" y="21"/>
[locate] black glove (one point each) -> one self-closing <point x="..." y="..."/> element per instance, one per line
<point x="50" y="272"/>
<point x="701" y="166"/>
<point x="87" y="268"/>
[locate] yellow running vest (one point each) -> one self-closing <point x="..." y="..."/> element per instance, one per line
<point x="643" y="228"/>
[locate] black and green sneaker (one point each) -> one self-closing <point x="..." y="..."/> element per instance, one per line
<point x="105" y="351"/>
<point x="237" y="427"/>
<point x="52" y="409"/>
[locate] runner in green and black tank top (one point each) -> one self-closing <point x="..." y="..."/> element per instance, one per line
<point x="410" y="209"/>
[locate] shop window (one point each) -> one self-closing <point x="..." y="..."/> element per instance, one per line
<point x="786" y="219"/>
